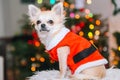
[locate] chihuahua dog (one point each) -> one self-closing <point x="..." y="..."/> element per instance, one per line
<point x="72" y="51"/>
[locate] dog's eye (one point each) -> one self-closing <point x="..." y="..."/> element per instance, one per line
<point x="38" y="22"/>
<point x="50" y="22"/>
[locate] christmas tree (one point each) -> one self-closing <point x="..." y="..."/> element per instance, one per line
<point x="116" y="54"/>
<point x="29" y="54"/>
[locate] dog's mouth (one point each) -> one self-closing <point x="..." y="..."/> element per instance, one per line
<point x="44" y="29"/>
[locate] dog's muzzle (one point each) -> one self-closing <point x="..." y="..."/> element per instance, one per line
<point x="43" y="28"/>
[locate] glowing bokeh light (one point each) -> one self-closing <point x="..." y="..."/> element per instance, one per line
<point x="97" y="32"/>
<point x="33" y="68"/>
<point x="90" y="35"/>
<point x="66" y="4"/>
<point x="89" y="1"/>
<point x="42" y="59"/>
<point x="87" y="16"/>
<point x="72" y="15"/>
<point x="72" y="6"/>
<point x="118" y="48"/>
<point x="98" y="22"/>
<point x="52" y="2"/>
<point x="87" y="11"/>
<point x="77" y="16"/>
<point x="39" y="1"/>
<point x="90" y="15"/>
<point x="81" y="33"/>
<point x="91" y="26"/>
<point x="37" y="43"/>
<point x="92" y="41"/>
<point x="32" y="59"/>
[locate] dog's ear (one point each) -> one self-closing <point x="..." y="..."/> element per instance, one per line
<point x="58" y="8"/>
<point x="33" y="11"/>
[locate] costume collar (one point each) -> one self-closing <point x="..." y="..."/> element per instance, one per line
<point x="57" y="38"/>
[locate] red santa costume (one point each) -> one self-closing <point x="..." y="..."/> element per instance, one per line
<point x="82" y="54"/>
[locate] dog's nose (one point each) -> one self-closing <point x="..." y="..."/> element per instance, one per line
<point x="43" y="25"/>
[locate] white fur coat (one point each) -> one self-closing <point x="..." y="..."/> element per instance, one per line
<point x="112" y="74"/>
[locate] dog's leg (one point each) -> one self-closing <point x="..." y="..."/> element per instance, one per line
<point x="98" y="71"/>
<point x="62" y="53"/>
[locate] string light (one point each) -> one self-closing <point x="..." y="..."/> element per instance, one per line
<point x="90" y="15"/>
<point x="87" y="11"/>
<point x="32" y="59"/>
<point x="52" y="2"/>
<point x="39" y="1"/>
<point x="97" y="32"/>
<point x="96" y="37"/>
<point x="72" y="6"/>
<point x="33" y="68"/>
<point x="91" y="19"/>
<point x="42" y="59"/>
<point x="37" y="43"/>
<point x="92" y="41"/>
<point x="72" y="15"/>
<point x="89" y="1"/>
<point x="98" y="22"/>
<point x="77" y="16"/>
<point x="66" y="4"/>
<point x="91" y="26"/>
<point x="81" y="33"/>
<point x="87" y="17"/>
<point x="90" y="35"/>
<point x="118" y="48"/>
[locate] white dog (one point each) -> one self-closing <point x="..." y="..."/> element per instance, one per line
<point x="72" y="51"/>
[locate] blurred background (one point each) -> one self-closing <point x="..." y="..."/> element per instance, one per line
<point x="21" y="52"/>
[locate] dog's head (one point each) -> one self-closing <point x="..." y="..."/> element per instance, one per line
<point x="47" y="22"/>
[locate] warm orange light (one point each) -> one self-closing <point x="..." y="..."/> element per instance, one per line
<point x="37" y="43"/>
<point x="72" y="6"/>
<point x="51" y="61"/>
<point x="42" y="59"/>
<point x="118" y="48"/>
<point x="92" y="41"/>
<point x="115" y="62"/>
<point x="33" y="68"/>
<point x="98" y="22"/>
<point x="81" y="33"/>
<point x="66" y="4"/>
<point x="32" y="59"/>
<point x="77" y="16"/>
<point x="97" y="32"/>
<point x="87" y="16"/>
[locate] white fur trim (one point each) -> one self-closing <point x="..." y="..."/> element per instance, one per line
<point x="111" y="74"/>
<point x="57" y="38"/>
<point x="90" y="64"/>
